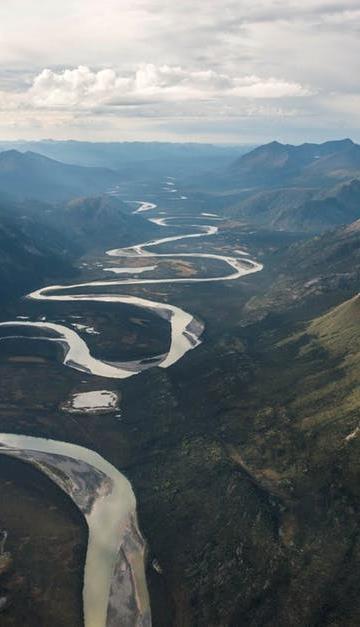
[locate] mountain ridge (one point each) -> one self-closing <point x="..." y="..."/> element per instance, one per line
<point x="30" y="175"/>
<point x="306" y="188"/>
<point x="290" y="161"/>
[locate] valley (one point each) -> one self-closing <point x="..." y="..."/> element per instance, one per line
<point x="241" y="453"/>
<point x="184" y="335"/>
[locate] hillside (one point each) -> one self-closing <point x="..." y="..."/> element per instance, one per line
<point x="299" y="443"/>
<point x="324" y="210"/>
<point x="301" y="208"/>
<point x="335" y="255"/>
<point x="338" y="330"/>
<point x="267" y="207"/>
<point x="30" y="250"/>
<point x="312" y="274"/>
<point x="306" y="188"/>
<point x="29" y="175"/>
<point x="40" y="241"/>
<point x="102" y="221"/>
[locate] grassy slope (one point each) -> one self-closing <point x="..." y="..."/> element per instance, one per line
<point x="300" y="443"/>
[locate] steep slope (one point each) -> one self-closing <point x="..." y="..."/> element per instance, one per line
<point x="29" y="175"/>
<point x="30" y="250"/>
<point x="338" y="330"/>
<point x="266" y="207"/>
<point x="301" y="208"/>
<point x="324" y="210"/>
<point x="308" y="188"/>
<point x="335" y="253"/>
<point x="321" y="270"/>
<point x="102" y="221"/>
<point x="300" y="443"/>
<point x="39" y="240"/>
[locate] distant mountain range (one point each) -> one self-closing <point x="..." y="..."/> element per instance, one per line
<point x="32" y="176"/>
<point x="135" y="159"/>
<point x="311" y="187"/>
<point x="308" y="164"/>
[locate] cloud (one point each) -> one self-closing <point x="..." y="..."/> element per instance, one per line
<point x="85" y="88"/>
<point x="159" y="60"/>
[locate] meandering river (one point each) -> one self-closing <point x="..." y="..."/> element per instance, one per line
<point x="185" y="328"/>
<point x="115" y="592"/>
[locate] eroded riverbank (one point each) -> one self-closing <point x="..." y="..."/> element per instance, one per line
<point x="115" y="591"/>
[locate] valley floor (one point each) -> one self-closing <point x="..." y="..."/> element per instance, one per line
<point x="243" y="456"/>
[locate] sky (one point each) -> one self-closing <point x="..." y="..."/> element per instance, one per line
<point x="224" y="71"/>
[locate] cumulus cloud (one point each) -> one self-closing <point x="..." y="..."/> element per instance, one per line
<point x="84" y="88"/>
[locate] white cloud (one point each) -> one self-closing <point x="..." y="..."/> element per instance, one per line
<point x="73" y="87"/>
<point x="255" y="87"/>
<point x="84" y="88"/>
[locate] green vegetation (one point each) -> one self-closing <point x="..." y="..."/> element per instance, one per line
<point x="243" y="456"/>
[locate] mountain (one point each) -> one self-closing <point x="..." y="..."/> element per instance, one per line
<point x="30" y="250"/>
<point x="324" y="210"/>
<point x="266" y="207"/>
<point x="299" y="443"/>
<point x="334" y="255"/>
<point x="135" y="159"/>
<point x="301" y="208"/>
<point x="312" y="274"/>
<point x="309" y="164"/>
<point x="30" y="175"/>
<point x="307" y="188"/>
<point x="101" y="221"/>
<point x="40" y="241"/>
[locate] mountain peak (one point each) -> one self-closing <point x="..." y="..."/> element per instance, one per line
<point x="340" y="143"/>
<point x="275" y="144"/>
<point x="5" y="154"/>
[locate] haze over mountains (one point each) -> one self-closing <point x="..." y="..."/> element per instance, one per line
<point x="51" y="212"/>
<point x="307" y="164"/>
<point x="312" y="187"/>
<point x="134" y="159"/>
<point x="30" y="175"/>
<point x="306" y="187"/>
